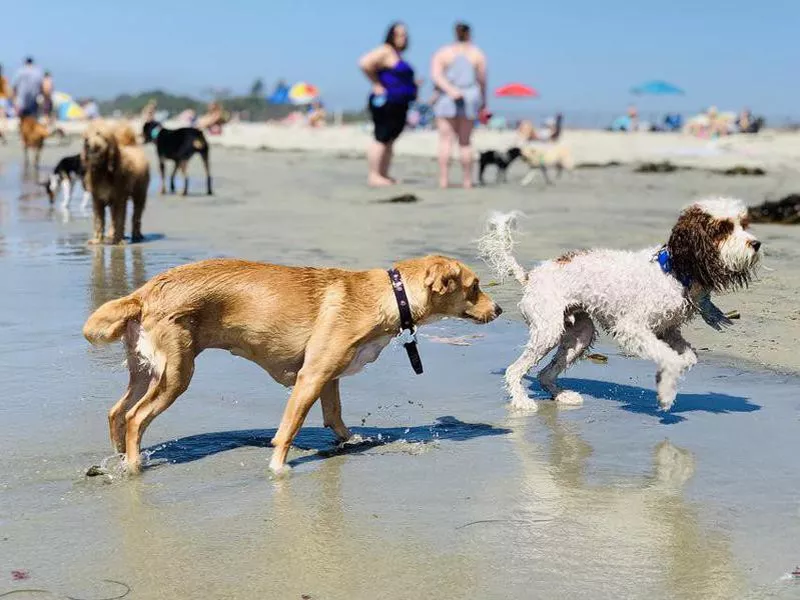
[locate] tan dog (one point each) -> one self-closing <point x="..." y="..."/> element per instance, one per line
<point x="116" y="169"/>
<point x="543" y="157"/>
<point x="306" y="327"/>
<point x="33" y="135"/>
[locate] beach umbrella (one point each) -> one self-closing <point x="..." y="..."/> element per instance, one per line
<point x="60" y="98"/>
<point x="280" y="95"/>
<point x="657" y="88"/>
<point x="303" y="93"/>
<point x="516" y="90"/>
<point x="70" y="111"/>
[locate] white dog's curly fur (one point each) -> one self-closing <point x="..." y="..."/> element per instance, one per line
<point x="627" y="293"/>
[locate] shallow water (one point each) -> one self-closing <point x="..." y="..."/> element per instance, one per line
<point x="448" y="495"/>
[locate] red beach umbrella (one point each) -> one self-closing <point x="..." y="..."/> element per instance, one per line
<point x="516" y="90"/>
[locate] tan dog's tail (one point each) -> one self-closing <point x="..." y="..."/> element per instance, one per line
<point x="107" y="323"/>
<point x="497" y="245"/>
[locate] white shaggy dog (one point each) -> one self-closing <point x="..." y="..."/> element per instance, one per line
<point x="641" y="298"/>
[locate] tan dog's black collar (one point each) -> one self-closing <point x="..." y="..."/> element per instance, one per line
<point x="406" y="320"/>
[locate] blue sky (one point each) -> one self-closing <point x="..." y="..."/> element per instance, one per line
<point x="581" y="54"/>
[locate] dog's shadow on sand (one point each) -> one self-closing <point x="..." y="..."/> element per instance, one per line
<point x="640" y="400"/>
<point x="318" y="439"/>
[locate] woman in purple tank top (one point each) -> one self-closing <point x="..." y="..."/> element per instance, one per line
<point x="393" y="89"/>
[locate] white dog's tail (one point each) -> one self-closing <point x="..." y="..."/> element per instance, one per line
<point x="497" y="245"/>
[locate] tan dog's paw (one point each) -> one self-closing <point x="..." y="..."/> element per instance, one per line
<point x="279" y="471"/>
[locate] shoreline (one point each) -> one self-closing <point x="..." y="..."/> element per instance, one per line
<point x="771" y="149"/>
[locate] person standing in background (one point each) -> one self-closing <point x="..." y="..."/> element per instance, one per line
<point x="27" y="88"/>
<point x="393" y="90"/>
<point x="458" y="71"/>
<point x="47" y="97"/>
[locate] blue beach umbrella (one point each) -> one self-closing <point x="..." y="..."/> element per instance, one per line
<point x="657" y="88"/>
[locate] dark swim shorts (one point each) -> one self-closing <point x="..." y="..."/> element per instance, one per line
<point x="389" y="120"/>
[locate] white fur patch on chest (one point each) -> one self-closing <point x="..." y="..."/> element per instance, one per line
<point x="365" y="354"/>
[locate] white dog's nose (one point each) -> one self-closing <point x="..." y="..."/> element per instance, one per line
<point x="755" y="244"/>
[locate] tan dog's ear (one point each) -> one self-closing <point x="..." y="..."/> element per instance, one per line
<point x="441" y="277"/>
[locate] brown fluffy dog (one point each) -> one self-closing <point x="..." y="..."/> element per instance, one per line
<point x="306" y="327"/>
<point x="33" y="135"/>
<point x="116" y="169"/>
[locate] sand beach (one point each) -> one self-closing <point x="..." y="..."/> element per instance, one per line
<point x="450" y="495"/>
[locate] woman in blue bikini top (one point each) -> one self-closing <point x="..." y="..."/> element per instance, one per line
<point x="393" y="89"/>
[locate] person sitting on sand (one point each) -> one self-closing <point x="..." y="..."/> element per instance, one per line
<point x="316" y="114"/>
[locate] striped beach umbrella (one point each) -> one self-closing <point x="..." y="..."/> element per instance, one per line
<point x="303" y="93"/>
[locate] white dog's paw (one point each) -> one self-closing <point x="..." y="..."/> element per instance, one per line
<point x="569" y="398"/>
<point x="666" y="401"/>
<point x="689" y="359"/>
<point x="523" y="405"/>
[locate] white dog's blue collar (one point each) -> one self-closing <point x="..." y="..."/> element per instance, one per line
<point x="154" y="132"/>
<point x="665" y="262"/>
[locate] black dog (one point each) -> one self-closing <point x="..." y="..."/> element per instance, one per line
<point x="501" y="160"/>
<point x="785" y="211"/>
<point x="178" y="145"/>
<point x="68" y="170"/>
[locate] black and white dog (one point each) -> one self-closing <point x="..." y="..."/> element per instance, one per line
<point x="178" y="145"/>
<point x="502" y="160"/>
<point x="68" y="171"/>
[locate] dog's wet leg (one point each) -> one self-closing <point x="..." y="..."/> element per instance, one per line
<point x="138" y="384"/>
<point x="185" y="172"/>
<point x="332" y="410"/>
<point x="163" y="175"/>
<point x="99" y="221"/>
<point x="139" y="201"/>
<point x="576" y="339"/>
<point x="307" y="389"/>
<point x="172" y="178"/>
<point x="175" y="349"/>
<point x="117" y="231"/>
<point x="642" y="342"/>
<point x="539" y="345"/>
<point x="204" y="156"/>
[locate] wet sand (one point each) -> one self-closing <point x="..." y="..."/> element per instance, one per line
<point x="452" y="496"/>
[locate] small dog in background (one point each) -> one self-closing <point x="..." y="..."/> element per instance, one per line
<point x="501" y="160"/>
<point x="543" y="157"/>
<point x="178" y="145"/>
<point x="641" y="298"/>
<point x="67" y="173"/>
<point x="33" y="134"/>
<point x="116" y="170"/>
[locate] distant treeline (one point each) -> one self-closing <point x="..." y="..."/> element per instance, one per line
<point x="250" y="108"/>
